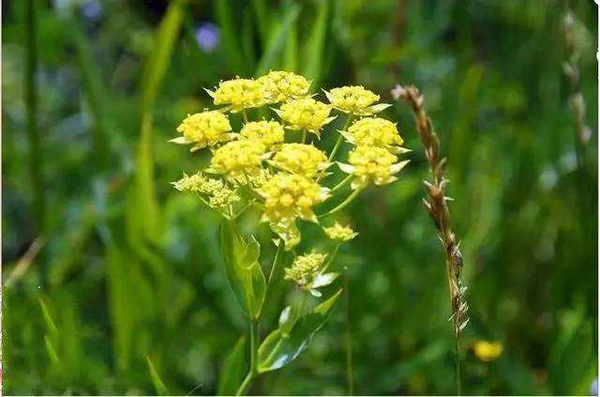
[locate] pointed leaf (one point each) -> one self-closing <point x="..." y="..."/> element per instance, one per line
<point x="280" y="347"/>
<point x="156" y="380"/>
<point x="243" y="271"/>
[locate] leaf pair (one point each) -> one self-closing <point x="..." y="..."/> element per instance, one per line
<point x="243" y="271"/>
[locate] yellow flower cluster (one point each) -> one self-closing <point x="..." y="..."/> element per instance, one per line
<point x="371" y="164"/>
<point x="339" y="232"/>
<point x="208" y="128"/>
<point x="305" y="268"/>
<point x="374" y="131"/>
<point x="282" y="86"/>
<point x="197" y="183"/>
<point x="238" y="159"/>
<point x="305" y="114"/>
<point x="298" y="158"/>
<point x="353" y="99"/>
<point x="239" y="93"/>
<point x="270" y="133"/>
<point x="291" y="196"/>
<point x="219" y="195"/>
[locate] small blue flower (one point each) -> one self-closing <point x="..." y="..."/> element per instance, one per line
<point x="207" y="36"/>
<point x="92" y="10"/>
<point x="594" y="388"/>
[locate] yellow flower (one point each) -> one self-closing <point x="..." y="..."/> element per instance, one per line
<point x="223" y="198"/>
<point x="375" y="131"/>
<point x="282" y="86"/>
<point x="208" y="128"/>
<point x="308" y="272"/>
<point x="299" y="158"/>
<point x="238" y="159"/>
<point x="305" y="114"/>
<point x="487" y="351"/>
<point x="371" y="164"/>
<point x="291" y="196"/>
<point x="239" y="93"/>
<point x="198" y="183"/>
<point x="339" y="232"/>
<point x="355" y="99"/>
<point x="270" y="133"/>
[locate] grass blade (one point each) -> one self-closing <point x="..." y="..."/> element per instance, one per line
<point x="314" y="48"/>
<point x="231" y="44"/>
<point x="159" y="385"/>
<point x="143" y="208"/>
<point x="278" y="38"/>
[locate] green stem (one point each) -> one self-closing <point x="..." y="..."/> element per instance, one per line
<point x="349" y="371"/>
<point x="343" y="205"/>
<point x="245" y="115"/>
<point x="457" y="363"/>
<point x="340" y="139"/>
<point x="31" y="100"/>
<point x="276" y="268"/>
<point x="342" y="183"/>
<point x="303" y="136"/>
<point x="253" y="372"/>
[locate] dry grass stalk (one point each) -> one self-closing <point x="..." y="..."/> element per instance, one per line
<point x="436" y="204"/>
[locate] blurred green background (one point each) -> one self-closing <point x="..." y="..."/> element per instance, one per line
<point x="105" y="264"/>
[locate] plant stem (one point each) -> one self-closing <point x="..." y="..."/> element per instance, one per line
<point x="303" y="136"/>
<point x="253" y="372"/>
<point x="31" y="100"/>
<point x="276" y="268"/>
<point x="342" y="183"/>
<point x="341" y="206"/>
<point x="457" y="363"/>
<point x="245" y="115"/>
<point x="349" y="371"/>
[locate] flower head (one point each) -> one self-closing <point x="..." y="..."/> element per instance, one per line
<point x="239" y="93"/>
<point x="291" y="196"/>
<point x="305" y="114"/>
<point x="339" y="232"/>
<point x="270" y="133"/>
<point x="238" y="159"/>
<point x="371" y="164"/>
<point x="298" y="158"/>
<point x="198" y="183"/>
<point x="375" y="131"/>
<point x="308" y="272"/>
<point x="354" y="99"/>
<point x="283" y="86"/>
<point x="208" y="128"/>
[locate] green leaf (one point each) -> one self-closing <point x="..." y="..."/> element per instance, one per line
<point x="243" y="271"/>
<point x="233" y="369"/>
<point x="277" y="39"/>
<point x="156" y="380"/>
<point x="314" y="47"/>
<point x="231" y="45"/>
<point x="283" y="345"/>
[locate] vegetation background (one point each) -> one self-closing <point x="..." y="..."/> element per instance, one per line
<point x="108" y="269"/>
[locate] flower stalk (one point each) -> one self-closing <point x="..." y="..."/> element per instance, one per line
<point x="436" y="205"/>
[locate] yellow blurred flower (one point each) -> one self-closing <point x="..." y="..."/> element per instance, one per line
<point x="238" y="159"/>
<point x="282" y="86"/>
<point x="487" y="351"/>
<point x="239" y="93"/>
<point x="375" y="131"/>
<point x="339" y="232"/>
<point x="291" y="196"/>
<point x="198" y="183"/>
<point x="355" y="99"/>
<point x="208" y="128"/>
<point x="305" y="114"/>
<point x="371" y="164"/>
<point x="299" y="158"/>
<point x="270" y="133"/>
